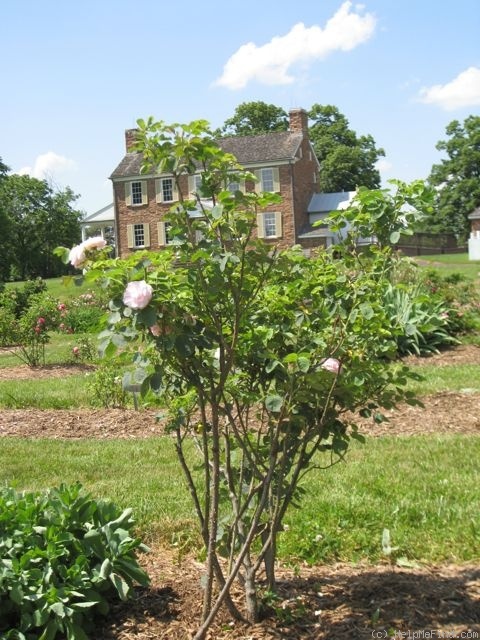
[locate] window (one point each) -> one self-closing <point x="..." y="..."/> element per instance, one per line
<point x="164" y="236"/>
<point x="269" y="224"/>
<point x="195" y="186"/>
<point x="138" y="236"/>
<point x="268" y="180"/>
<point x="233" y="186"/>
<point x="166" y="190"/>
<point x="136" y="193"/>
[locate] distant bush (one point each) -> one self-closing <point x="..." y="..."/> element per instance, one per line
<point x="460" y="294"/>
<point x="7" y="328"/>
<point x="63" y="556"/>
<point x="420" y="323"/>
<point x="17" y="300"/>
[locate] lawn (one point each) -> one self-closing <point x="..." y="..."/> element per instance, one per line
<point x="408" y="485"/>
<point x="423" y="488"/>
<point x="451" y="263"/>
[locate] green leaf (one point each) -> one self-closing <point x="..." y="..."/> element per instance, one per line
<point x="395" y="237"/>
<point x="274" y="403"/>
<point x="303" y="364"/>
<point x="120" y="585"/>
<point x="50" y="631"/>
<point x="105" y="569"/>
<point x="366" y="311"/>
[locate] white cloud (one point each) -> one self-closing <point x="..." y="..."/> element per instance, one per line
<point x="46" y="165"/>
<point x="383" y="165"/>
<point x="462" y="91"/>
<point x="270" y="63"/>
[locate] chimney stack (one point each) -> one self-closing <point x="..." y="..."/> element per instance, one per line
<point x="298" y="121"/>
<point x="130" y="139"/>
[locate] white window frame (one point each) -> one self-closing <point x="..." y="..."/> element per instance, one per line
<point x="272" y="181"/>
<point x="264" y="229"/>
<point x="134" y="232"/>
<point x="129" y="193"/>
<point x="160" y="189"/>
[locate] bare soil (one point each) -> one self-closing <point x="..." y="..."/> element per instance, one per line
<point x="334" y="602"/>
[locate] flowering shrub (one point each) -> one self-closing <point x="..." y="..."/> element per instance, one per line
<point x="261" y="357"/>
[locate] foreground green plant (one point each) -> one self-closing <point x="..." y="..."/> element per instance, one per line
<point x="260" y="356"/>
<point x="62" y="556"/>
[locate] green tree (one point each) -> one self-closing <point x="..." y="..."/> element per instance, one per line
<point x="38" y="219"/>
<point x="5" y="243"/>
<point x="259" y="357"/>
<point x="347" y="161"/>
<point x="457" y="178"/>
<point x="254" y="118"/>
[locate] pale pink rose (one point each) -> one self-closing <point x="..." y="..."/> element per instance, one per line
<point x="332" y="365"/>
<point x="155" y="330"/>
<point x="94" y="243"/>
<point x="137" y="295"/>
<point x="77" y="256"/>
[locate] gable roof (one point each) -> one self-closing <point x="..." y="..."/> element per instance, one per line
<point x="105" y="214"/>
<point x="279" y="146"/>
<point x="475" y="215"/>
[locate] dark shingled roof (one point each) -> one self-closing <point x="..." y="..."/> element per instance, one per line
<point x="475" y="215"/>
<point x="269" y="147"/>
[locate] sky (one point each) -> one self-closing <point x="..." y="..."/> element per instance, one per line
<point x="76" y="74"/>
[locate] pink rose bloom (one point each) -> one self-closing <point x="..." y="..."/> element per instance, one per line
<point x="332" y="365"/>
<point x="155" y="330"/>
<point x="77" y="256"/>
<point x="137" y="295"/>
<point x="94" y="243"/>
<point x="76" y="351"/>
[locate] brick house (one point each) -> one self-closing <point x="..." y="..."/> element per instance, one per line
<point x="283" y="162"/>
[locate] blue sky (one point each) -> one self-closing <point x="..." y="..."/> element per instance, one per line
<point x="75" y="75"/>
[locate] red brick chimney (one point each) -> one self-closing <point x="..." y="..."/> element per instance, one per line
<point x="130" y="139"/>
<point x="298" y="121"/>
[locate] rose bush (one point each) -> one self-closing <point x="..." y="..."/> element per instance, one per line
<point x="239" y="341"/>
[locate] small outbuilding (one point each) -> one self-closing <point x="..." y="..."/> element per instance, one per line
<point x="474" y="240"/>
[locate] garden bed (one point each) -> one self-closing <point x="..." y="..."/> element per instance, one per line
<point x="337" y="601"/>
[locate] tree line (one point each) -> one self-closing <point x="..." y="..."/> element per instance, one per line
<point x="35" y="218"/>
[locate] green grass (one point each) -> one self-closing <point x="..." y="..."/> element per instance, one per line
<point x="423" y="489"/>
<point x="458" y="378"/>
<point x="62" y="288"/>
<point x="69" y="392"/>
<point x="57" y="351"/>
<point x="411" y="486"/>
<point x="452" y="263"/>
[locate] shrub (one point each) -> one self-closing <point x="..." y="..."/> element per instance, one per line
<point x="460" y="294"/>
<point x="63" y="555"/>
<point x="420" y="323"/>
<point x="106" y="387"/>
<point x="85" y="350"/>
<point x="7" y="328"/>
<point x="17" y="300"/>
<point x="83" y="319"/>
